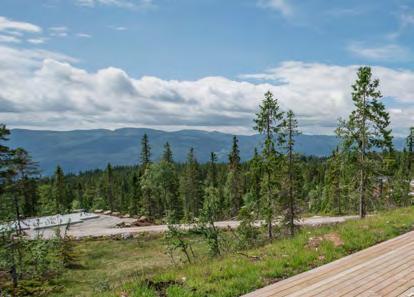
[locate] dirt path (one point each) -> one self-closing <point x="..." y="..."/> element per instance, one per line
<point x="105" y="226"/>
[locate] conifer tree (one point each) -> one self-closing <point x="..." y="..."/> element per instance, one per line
<point x="59" y="191"/>
<point x="410" y="149"/>
<point x="234" y="187"/>
<point x="136" y="196"/>
<point x="190" y="187"/>
<point x="145" y="158"/>
<point x="25" y="170"/>
<point x="212" y="174"/>
<point x="366" y="129"/>
<point x="269" y="122"/>
<point x="293" y="178"/>
<point x="167" y="155"/>
<point x="109" y="180"/>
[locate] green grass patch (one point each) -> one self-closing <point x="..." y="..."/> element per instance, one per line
<point x="140" y="267"/>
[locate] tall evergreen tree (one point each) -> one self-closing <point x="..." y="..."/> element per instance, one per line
<point x="212" y="173"/>
<point x="410" y="149"/>
<point x="59" y="191"/>
<point x="167" y="155"/>
<point x="190" y="186"/>
<point x="293" y="186"/>
<point x="26" y="170"/>
<point x="109" y="181"/>
<point x="269" y="122"/>
<point x="366" y="129"/>
<point x="145" y="158"/>
<point x="234" y="186"/>
<point x="136" y="195"/>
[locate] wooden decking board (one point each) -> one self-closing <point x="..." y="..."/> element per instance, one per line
<point x="386" y="269"/>
<point x="317" y="274"/>
<point x="372" y="284"/>
<point x="367" y="276"/>
<point x="351" y="273"/>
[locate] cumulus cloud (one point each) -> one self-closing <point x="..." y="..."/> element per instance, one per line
<point x="46" y="90"/>
<point x="9" y="39"/>
<point x="60" y="31"/>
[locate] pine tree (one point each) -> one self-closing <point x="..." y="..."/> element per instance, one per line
<point x="59" y="191"/>
<point x="410" y="148"/>
<point x="366" y="130"/>
<point x="269" y="122"/>
<point x="293" y="186"/>
<point x="167" y="155"/>
<point x="234" y="187"/>
<point x="136" y="194"/>
<point x="145" y="159"/>
<point x="212" y="173"/>
<point x="109" y="180"/>
<point x="190" y="187"/>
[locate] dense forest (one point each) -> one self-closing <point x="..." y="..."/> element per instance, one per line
<point x="363" y="174"/>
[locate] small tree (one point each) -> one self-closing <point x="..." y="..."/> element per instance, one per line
<point x="269" y="122"/>
<point x="366" y="130"/>
<point x="209" y="215"/>
<point x="234" y="186"/>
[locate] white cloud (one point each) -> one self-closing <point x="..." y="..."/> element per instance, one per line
<point x="60" y="31"/>
<point x="10" y="25"/>
<point x="83" y="35"/>
<point x="388" y="52"/>
<point x="282" y="6"/>
<point x="36" y="40"/>
<point x="41" y="89"/>
<point x="129" y="4"/>
<point x="118" y="28"/>
<point x="9" y="39"/>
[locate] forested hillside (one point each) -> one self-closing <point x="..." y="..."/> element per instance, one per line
<point x="84" y="150"/>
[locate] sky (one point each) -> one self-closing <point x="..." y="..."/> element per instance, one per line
<point x="199" y="64"/>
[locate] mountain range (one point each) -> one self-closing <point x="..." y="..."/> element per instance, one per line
<point x="81" y="150"/>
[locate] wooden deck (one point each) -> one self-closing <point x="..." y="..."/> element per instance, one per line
<point x="386" y="269"/>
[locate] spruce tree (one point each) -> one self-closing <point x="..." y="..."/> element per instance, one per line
<point x="145" y="158"/>
<point x="136" y="195"/>
<point x="366" y="130"/>
<point x="234" y="186"/>
<point x="109" y="180"/>
<point x="59" y="191"/>
<point x="167" y="155"/>
<point x="293" y="186"/>
<point x="269" y="122"/>
<point x="410" y="149"/>
<point x="212" y="173"/>
<point x="190" y="187"/>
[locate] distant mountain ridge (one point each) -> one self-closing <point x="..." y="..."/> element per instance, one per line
<point x="81" y="150"/>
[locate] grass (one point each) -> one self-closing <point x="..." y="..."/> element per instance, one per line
<point x="139" y="267"/>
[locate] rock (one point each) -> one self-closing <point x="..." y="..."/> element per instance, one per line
<point x="98" y="211"/>
<point x="126" y="216"/>
<point x="126" y="235"/>
<point x="107" y="212"/>
<point x="143" y="219"/>
<point x="116" y="213"/>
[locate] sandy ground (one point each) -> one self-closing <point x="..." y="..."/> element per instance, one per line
<point x="105" y="226"/>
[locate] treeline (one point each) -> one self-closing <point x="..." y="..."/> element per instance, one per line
<point x="364" y="173"/>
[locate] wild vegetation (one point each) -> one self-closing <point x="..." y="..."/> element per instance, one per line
<point x="363" y="174"/>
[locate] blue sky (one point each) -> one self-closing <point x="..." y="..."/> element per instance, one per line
<point x="135" y="61"/>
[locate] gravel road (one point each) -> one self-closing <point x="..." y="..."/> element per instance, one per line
<point x="105" y="226"/>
